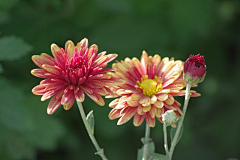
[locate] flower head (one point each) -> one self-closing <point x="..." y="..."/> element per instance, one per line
<point x="71" y="72"/>
<point x="194" y="69"/>
<point x="149" y="89"/>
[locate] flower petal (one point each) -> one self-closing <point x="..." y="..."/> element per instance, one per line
<point x="150" y="121"/>
<point x="158" y="104"/>
<point x="132" y="103"/>
<point x="39" y="60"/>
<point x="114" y="113"/>
<point x="80" y="95"/>
<point x="96" y="98"/>
<point x="146" y="108"/>
<point x="54" y="104"/>
<point x="68" y="98"/>
<point x="69" y="48"/>
<point x="138" y="119"/>
<point x="162" y="97"/>
<point x="129" y="113"/>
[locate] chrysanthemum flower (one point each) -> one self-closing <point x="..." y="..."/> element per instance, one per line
<point x="71" y="72"/>
<point x="149" y="89"/>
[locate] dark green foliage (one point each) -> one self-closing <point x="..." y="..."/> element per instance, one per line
<point x="170" y="28"/>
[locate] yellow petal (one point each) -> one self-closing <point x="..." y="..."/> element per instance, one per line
<point x="162" y="97"/>
<point x="69" y="48"/>
<point x="146" y="108"/>
<point x="159" y="104"/>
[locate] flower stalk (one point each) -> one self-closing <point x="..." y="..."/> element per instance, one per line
<point x="100" y="151"/>
<point x="165" y="137"/>
<point x="146" y="142"/>
<point x="174" y="142"/>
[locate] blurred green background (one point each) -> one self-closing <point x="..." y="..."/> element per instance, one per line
<point x="172" y="28"/>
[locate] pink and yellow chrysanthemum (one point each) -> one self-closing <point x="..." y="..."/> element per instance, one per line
<point x="149" y="89"/>
<point x="71" y="72"/>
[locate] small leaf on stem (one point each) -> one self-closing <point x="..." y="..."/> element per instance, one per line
<point x="151" y="149"/>
<point x="173" y="132"/>
<point x="157" y="156"/>
<point x="90" y="120"/>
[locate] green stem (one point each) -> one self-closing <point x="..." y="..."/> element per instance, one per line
<point x="146" y="142"/>
<point x="165" y="137"/>
<point x="174" y="142"/>
<point x="99" y="150"/>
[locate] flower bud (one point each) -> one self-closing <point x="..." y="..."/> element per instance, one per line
<point x="194" y="69"/>
<point x="170" y="118"/>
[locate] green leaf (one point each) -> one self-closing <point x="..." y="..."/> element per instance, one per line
<point x="157" y="156"/>
<point x="90" y="119"/>
<point x="151" y="149"/>
<point x="12" y="113"/>
<point x="173" y="131"/>
<point x="12" y="48"/>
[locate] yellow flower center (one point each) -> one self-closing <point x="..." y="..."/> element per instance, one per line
<point x="150" y="87"/>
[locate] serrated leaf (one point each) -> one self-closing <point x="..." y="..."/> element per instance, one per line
<point x="12" y="48"/>
<point x="90" y="119"/>
<point x="173" y="132"/>
<point x="151" y="149"/>
<point x="157" y="156"/>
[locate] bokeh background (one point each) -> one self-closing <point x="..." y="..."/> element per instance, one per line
<point x="172" y="28"/>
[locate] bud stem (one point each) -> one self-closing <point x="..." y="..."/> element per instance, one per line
<point x="99" y="150"/>
<point x="165" y="138"/>
<point x="146" y="142"/>
<point x="174" y="142"/>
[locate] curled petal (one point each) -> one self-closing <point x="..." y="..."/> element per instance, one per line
<point x="162" y="97"/>
<point x="146" y="108"/>
<point x="144" y="100"/>
<point x="170" y="100"/>
<point x="114" y="113"/>
<point x="41" y="73"/>
<point x="93" y="49"/>
<point x="140" y="110"/>
<point x="68" y="98"/>
<point x="158" y="104"/>
<point x="39" y="90"/>
<point x="54" y="103"/>
<point x="129" y="113"/>
<point x="80" y="95"/>
<point x="82" y="46"/>
<point x="159" y="112"/>
<point x="153" y="112"/>
<point x="136" y="96"/>
<point x="69" y="48"/>
<point x="51" y="69"/>
<point x="153" y="99"/>
<point x="121" y="105"/>
<point x="49" y="94"/>
<point x="57" y="53"/>
<point x="132" y="103"/>
<point x="96" y="98"/>
<point x="39" y="60"/>
<point x="114" y="103"/>
<point x="150" y="121"/>
<point x="138" y="119"/>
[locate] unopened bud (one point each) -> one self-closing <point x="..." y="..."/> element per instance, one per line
<point x="169" y="118"/>
<point x="194" y="69"/>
